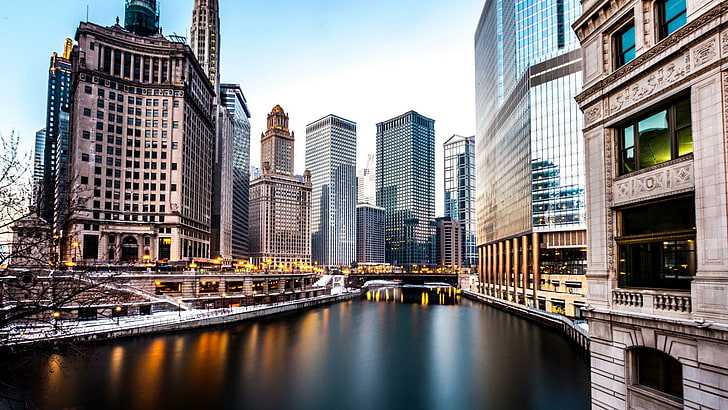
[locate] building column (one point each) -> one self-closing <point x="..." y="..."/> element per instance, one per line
<point x="507" y="270"/>
<point x="516" y="270"/>
<point x="536" y="251"/>
<point x="499" y="270"/>
<point x="524" y="266"/>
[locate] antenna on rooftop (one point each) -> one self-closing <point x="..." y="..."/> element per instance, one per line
<point x="87" y="13"/>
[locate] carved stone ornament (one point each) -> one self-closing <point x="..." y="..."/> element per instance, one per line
<point x="657" y="81"/>
<point x="663" y="181"/>
<point x="592" y="114"/>
<point x="705" y="52"/>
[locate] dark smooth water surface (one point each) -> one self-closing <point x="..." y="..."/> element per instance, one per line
<point x="354" y="355"/>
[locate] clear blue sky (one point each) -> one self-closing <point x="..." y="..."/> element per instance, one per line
<point x="364" y="60"/>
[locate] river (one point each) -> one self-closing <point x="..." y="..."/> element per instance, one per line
<point x="362" y="354"/>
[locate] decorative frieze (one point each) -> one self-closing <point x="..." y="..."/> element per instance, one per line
<point x="663" y="181"/>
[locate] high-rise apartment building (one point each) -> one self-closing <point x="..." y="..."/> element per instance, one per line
<point x="460" y="193"/>
<point x="655" y="99"/>
<point x="367" y="182"/>
<point x="141" y="146"/>
<point x="406" y="186"/>
<point x="529" y="155"/>
<point x="331" y="159"/>
<point x="370" y="221"/>
<point x="233" y="99"/>
<point x="55" y="146"/>
<point x="280" y="205"/>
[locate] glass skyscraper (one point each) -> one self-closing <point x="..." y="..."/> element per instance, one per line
<point x="233" y="99"/>
<point x="331" y="158"/>
<point x="406" y="187"/>
<point x="460" y="192"/>
<point x="529" y="152"/>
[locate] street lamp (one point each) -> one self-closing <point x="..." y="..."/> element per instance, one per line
<point x="56" y="315"/>
<point x="118" y="313"/>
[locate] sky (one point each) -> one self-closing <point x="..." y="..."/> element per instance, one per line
<point x="363" y="60"/>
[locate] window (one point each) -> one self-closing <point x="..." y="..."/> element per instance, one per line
<point x="671" y="15"/>
<point x="656" y="138"/>
<point x="657" y="371"/>
<point x="624" y="44"/>
<point x="657" y="248"/>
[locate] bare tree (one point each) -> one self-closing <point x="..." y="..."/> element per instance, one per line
<point x="15" y="191"/>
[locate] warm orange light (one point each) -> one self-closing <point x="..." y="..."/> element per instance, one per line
<point x="118" y="308"/>
<point x="74" y="244"/>
<point x="56" y="314"/>
<point x="146" y="257"/>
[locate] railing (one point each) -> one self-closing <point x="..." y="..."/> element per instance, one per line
<point x="653" y="301"/>
<point x="144" y="324"/>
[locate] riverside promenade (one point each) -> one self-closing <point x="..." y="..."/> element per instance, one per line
<point x="111" y="328"/>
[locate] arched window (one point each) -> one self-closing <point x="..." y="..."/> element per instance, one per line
<point x="658" y="371"/>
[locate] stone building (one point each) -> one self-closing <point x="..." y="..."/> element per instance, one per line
<point x="280" y="204"/>
<point x="655" y="98"/>
<point x="140" y="144"/>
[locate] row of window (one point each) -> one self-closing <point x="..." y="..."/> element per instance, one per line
<point x="670" y="15"/>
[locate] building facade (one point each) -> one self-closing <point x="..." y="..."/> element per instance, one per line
<point x="280" y="204"/>
<point x="331" y="159"/>
<point x="370" y="222"/>
<point x="366" y="180"/>
<point x="655" y="99"/>
<point x="450" y="237"/>
<point x="38" y="166"/>
<point x="460" y="193"/>
<point x="233" y="99"/>
<point x="405" y="180"/>
<point x="140" y="146"/>
<point x="529" y="183"/>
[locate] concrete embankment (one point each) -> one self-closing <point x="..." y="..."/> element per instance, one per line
<point x="575" y="332"/>
<point x="186" y="320"/>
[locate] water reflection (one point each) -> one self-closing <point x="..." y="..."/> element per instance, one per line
<point x="355" y="355"/>
<point x="421" y="294"/>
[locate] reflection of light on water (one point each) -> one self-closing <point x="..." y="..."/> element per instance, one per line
<point x="116" y="367"/>
<point x="414" y="294"/>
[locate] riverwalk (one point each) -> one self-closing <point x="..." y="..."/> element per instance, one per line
<point x="111" y="328"/>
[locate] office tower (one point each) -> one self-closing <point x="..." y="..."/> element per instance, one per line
<point x="142" y="145"/>
<point x="233" y="99"/>
<point x="205" y="39"/>
<point x="55" y="154"/>
<point x="529" y="155"/>
<point x="460" y="192"/>
<point x="449" y="238"/>
<point x="370" y="221"/>
<point x="367" y="182"/>
<point x="205" y="43"/>
<point x="38" y="166"/>
<point x="655" y="102"/>
<point x="331" y="158"/>
<point x="406" y="186"/>
<point x="280" y="205"/>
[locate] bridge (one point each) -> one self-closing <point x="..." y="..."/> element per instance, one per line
<point x="358" y="280"/>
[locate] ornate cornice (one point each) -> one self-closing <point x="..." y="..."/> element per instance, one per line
<point x="633" y="68"/>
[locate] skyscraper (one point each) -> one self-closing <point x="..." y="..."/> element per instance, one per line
<point x="406" y="186"/>
<point x="460" y="193"/>
<point x="142" y="145"/>
<point x="38" y="166"/>
<point x="331" y="158"/>
<point x="233" y="99"/>
<point x="55" y="146"/>
<point x="529" y="154"/>
<point x="205" y="38"/>
<point x="367" y="182"/>
<point x="205" y="43"/>
<point x="370" y="222"/>
<point x="280" y="205"/>
<point x="449" y="241"/>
